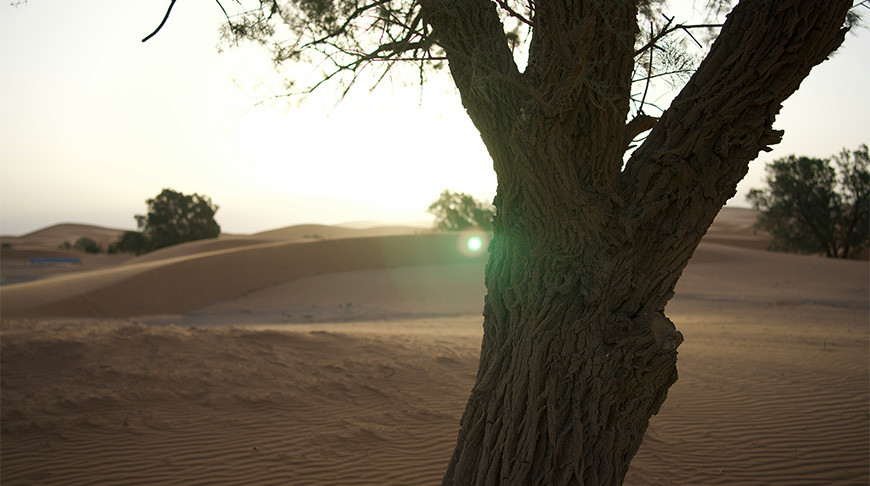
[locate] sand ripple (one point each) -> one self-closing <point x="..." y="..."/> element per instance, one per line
<point x="108" y="402"/>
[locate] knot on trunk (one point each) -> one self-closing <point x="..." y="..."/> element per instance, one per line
<point x="662" y="329"/>
<point x="646" y="328"/>
<point x="645" y="349"/>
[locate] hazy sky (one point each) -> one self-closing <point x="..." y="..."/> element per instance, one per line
<point x="93" y="122"/>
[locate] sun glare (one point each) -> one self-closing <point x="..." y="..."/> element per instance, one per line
<point x="474" y="244"/>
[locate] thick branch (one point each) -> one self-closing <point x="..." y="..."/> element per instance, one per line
<point x="690" y="164"/>
<point x="577" y="44"/>
<point x="581" y="60"/>
<point x="480" y="58"/>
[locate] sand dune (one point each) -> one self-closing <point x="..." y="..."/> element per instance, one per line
<point x="17" y="250"/>
<point x="55" y="235"/>
<point x="194" y="248"/>
<point x="14" y="257"/>
<point x="767" y="395"/>
<point x="158" y="405"/>
<point x="265" y="360"/>
<point x="327" y="232"/>
<point x="735" y="227"/>
<point x="183" y="284"/>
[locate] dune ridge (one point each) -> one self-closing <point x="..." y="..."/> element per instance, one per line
<point x="56" y="234"/>
<point x="182" y="284"/>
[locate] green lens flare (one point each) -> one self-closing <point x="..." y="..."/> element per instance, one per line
<point x="474" y="243"/>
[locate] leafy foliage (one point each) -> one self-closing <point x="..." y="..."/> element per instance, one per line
<point x="457" y="211"/>
<point x="175" y="218"/>
<point x="812" y="206"/>
<point x="172" y="218"/>
<point x="87" y="245"/>
<point x="347" y="38"/>
<point x="131" y="242"/>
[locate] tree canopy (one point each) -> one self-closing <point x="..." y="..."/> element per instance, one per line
<point x="457" y="211"/>
<point x="348" y="40"/>
<point x="815" y="205"/>
<point x="172" y="218"/>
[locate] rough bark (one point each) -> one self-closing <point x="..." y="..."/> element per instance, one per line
<point x="689" y="166"/>
<point x="577" y="353"/>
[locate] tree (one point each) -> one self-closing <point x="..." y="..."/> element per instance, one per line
<point x="174" y="218"/>
<point x="577" y="352"/>
<point x="810" y="206"/>
<point x="456" y="211"/>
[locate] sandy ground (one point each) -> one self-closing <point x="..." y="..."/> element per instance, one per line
<point x="347" y="359"/>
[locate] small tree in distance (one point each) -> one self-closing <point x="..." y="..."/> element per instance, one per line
<point x="811" y="206"/>
<point x="457" y="211"/>
<point x="172" y="218"/>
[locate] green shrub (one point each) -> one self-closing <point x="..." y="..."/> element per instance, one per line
<point x="87" y="245"/>
<point x="132" y="242"/>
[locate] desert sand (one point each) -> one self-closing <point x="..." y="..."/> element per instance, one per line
<point x="325" y="355"/>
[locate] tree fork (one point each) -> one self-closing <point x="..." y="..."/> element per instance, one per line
<point x="577" y="353"/>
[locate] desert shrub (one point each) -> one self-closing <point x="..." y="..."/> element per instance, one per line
<point x="87" y="245"/>
<point x="131" y="242"/>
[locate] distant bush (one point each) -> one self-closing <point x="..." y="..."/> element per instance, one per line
<point x="7" y="245"/>
<point x="66" y="245"/>
<point x="131" y="242"/>
<point x="87" y="245"/>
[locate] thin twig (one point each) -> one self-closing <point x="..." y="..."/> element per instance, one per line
<point x="648" y="76"/>
<point x="668" y="30"/>
<point x="225" y="12"/>
<point x="513" y="13"/>
<point x="165" y="17"/>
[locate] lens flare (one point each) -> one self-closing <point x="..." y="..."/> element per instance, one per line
<point x="474" y="244"/>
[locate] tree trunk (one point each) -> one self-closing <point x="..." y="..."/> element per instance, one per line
<point x="577" y="353"/>
<point x="566" y="386"/>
